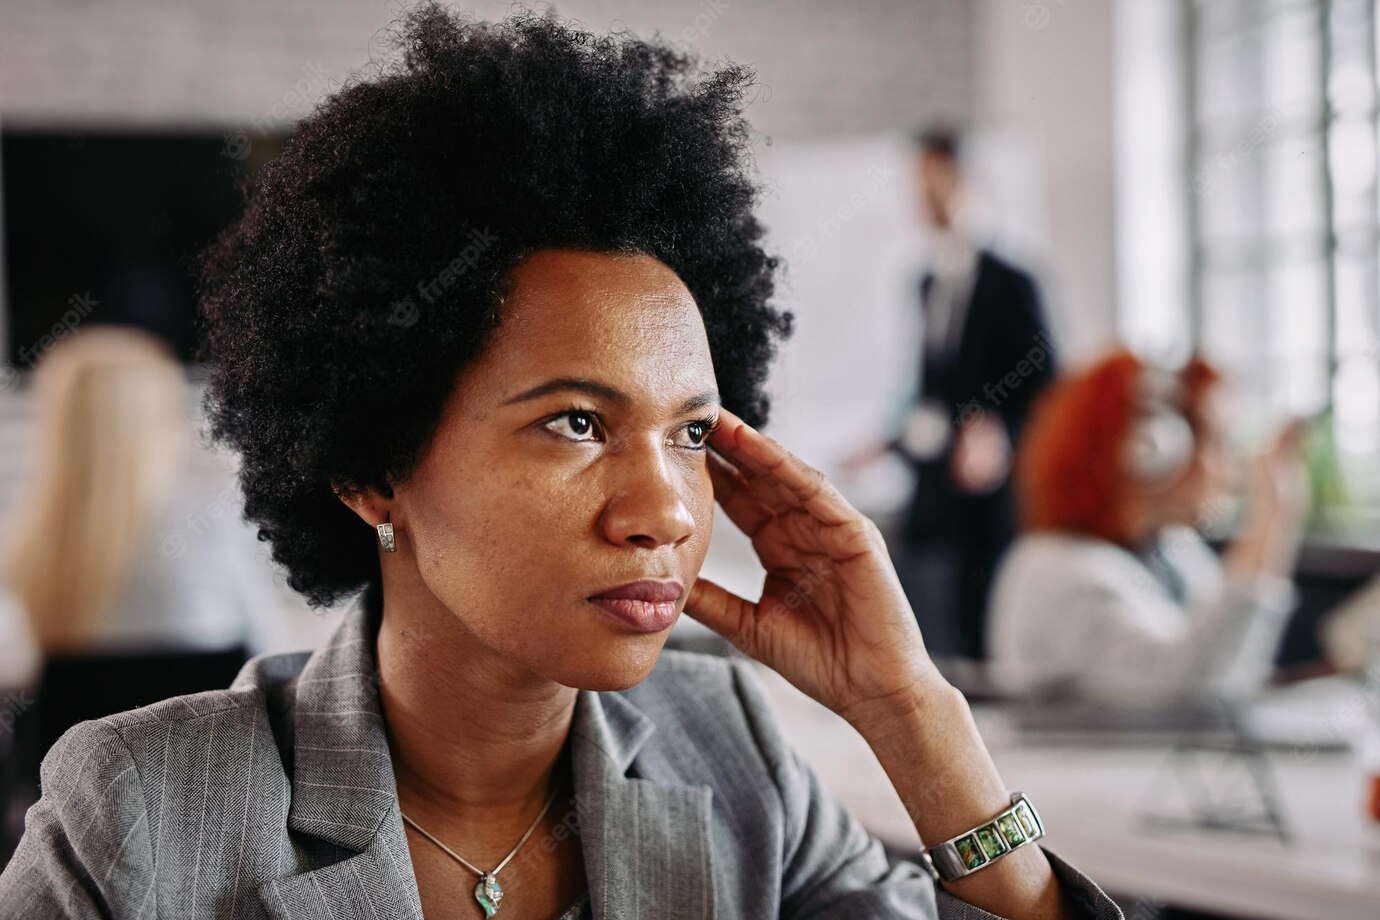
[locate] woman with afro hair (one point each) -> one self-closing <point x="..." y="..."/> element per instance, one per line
<point x="490" y="340"/>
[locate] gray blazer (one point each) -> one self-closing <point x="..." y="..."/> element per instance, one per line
<point x="275" y="799"/>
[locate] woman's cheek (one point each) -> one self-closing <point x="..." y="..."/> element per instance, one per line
<point x="701" y="503"/>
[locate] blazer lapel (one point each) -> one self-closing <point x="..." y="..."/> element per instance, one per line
<point x="343" y="792"/>
<point x="374" y="884"/>
<point x="645" y="839"/>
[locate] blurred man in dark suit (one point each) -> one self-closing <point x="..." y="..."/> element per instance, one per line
<point x="985" y="353"/>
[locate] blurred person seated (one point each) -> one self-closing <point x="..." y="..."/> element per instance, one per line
<point x="1110" y="595"/>
<point x="131" y="569"/>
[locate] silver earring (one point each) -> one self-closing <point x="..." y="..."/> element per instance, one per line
<point x="386" y="538"/>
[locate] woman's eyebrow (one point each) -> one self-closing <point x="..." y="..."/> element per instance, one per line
<point x="605" y="391"/>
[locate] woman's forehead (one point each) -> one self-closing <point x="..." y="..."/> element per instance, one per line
<point x="584" y="275"/>
<point x="620" y="318"/>
<point x="570" y="295"/>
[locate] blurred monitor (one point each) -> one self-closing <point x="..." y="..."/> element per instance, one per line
<point x="101" y="227"/>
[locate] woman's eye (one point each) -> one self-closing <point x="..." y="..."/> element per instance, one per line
<point x="577" y="426"/>
<point x="696" y="433"/>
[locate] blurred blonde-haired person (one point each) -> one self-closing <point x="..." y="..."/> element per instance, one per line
<point x="117" y="543"/>
<point x="1110" y="595"/>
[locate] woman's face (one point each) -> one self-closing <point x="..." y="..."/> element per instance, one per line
<point x="570" y="460"/>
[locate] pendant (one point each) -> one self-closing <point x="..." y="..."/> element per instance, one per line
<point x="488" y="893"/>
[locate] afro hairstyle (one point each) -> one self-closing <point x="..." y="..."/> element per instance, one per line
<point x="368" y="267"/>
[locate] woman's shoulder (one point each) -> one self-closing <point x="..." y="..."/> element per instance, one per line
<point x="1052" y="543"/>
<point x="121" y="793"/>
<point x="1055" y="558"/>
<point x="222" y="723"/>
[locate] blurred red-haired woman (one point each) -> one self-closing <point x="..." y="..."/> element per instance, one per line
<point x="1110" y="594"/>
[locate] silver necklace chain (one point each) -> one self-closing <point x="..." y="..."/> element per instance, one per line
<point x="471" y="866"/>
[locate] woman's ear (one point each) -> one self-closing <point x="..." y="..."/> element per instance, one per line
<point x="372" y="508"/>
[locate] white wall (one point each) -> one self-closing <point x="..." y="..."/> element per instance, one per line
<point x="1043" y="70"/>
<point x="824" y="68"/>
<point x="1153" y="254"/>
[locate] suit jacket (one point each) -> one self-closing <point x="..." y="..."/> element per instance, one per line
<point x="1002" y="358"/>
<point x="276" y="799"/>
<point x="1003" y="324"/>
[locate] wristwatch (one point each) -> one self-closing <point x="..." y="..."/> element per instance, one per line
<point x="985" y="844"/>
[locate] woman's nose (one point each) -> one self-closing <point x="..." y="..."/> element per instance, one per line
<point x="648" y="506"/>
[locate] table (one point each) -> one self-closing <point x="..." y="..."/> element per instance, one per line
<point x="1089" y="796"/>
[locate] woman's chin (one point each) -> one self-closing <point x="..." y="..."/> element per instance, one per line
<point x="613" y="668"/>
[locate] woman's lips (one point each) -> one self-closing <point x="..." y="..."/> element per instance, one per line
<point x="644" y="616"/>
<point x="647" y="606"/>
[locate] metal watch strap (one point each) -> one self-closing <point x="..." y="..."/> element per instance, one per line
<point x="983" y="845"/>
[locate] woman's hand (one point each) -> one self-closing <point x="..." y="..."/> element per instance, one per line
<point x="1269" y="537"/>
<point x="1279" y="486"/>
<point x="834" y="622"/>
<point x="832" y="619"/>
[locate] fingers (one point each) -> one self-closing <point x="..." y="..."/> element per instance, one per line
<point x="732" y="492"/>
<point x="772" y="472"/>
<point x="764" y="488"/>
<point x="721" y="610"/>
<point x="798" y="533"/>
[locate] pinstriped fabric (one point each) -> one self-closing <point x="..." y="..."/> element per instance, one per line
<point x="275" y="799"/>
<point x="580" y="910"/>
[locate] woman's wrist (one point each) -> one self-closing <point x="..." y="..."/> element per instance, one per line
<point x="930" y="747"/>
<point x="931" y="750"/>
<point x="926" y="691"/>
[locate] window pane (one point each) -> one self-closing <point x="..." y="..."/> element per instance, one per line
<point x="1291" y="60"/>
<point x="1356" y="331"/>
<point x="1356" y="395"/>
<point x="1350" y="84"/>
<point x="1286" y="176"/>
<point x="1228" y="206"/>
<point x="1294" y="190"/>
<point x="1234" y="326"/>
<point x="1227" y="86"/>
<point x="1351" y="161"/>
<point x="1297" y="294"/>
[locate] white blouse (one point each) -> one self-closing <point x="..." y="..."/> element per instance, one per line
<point x="200" y="581"/>
<point x="1073" y="614"/>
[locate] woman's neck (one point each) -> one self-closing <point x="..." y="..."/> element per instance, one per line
<point x="476" y="740"/>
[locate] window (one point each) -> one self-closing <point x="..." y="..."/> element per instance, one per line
<point x="1281" y="286"/>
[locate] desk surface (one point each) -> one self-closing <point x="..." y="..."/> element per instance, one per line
<point x="1090" y="796"/>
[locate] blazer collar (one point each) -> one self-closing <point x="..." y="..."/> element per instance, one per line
<point x="641" y="836"/>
